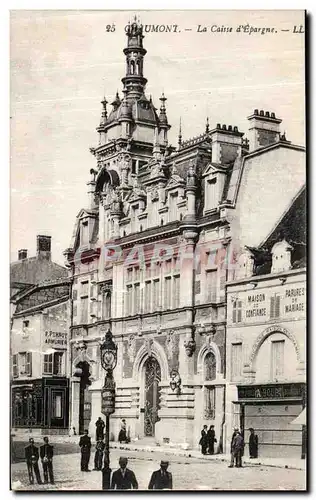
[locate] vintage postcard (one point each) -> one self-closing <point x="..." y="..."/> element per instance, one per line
<point x="158" y="250"/>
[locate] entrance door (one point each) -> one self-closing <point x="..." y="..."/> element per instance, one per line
<point x="152" y="395"/>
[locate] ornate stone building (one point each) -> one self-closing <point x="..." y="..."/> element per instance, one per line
<point x="149" y="258"/>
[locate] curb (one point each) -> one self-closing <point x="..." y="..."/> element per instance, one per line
<point x="193" y="454"/>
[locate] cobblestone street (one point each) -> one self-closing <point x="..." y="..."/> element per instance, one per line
<point x="188" y="474"/>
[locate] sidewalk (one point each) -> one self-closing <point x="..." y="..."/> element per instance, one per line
<point x="287" y="462"/>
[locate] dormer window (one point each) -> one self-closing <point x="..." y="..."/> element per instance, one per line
<point x="84" y="240"/>
<point x="245" y="265"/>
<point x="173" y="209"/>
<point x="281" y="257"/>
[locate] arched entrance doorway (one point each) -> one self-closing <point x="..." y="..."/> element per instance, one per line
<point x="152" y="376"/>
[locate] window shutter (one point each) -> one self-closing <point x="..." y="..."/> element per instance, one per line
<point x="272" y="307"/>
<point x="239" y="311"/>
<point x="29" y="363"/>
<point x="15" y="365"/>
<point x="277" y="306"/>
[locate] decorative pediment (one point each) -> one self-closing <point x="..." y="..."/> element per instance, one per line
<point x="213" y="168"/>
<point x="175" y="181"/>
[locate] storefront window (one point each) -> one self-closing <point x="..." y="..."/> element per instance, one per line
<point x="57" y="405"/>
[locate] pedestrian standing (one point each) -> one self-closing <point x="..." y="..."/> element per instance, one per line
<point x="161" y="479"/>
<point x="253" y="444"/>
<point x="98" y="457"/>
<point x="232" y="458"/>
<point x="122" y="437"/>
<point x="123" y="478"/>
<point x="211" y="440"/>
<point x="85" y="445"/>
<point x="203" y="440"/>
<point x="31" y="457"/>
<point x="238" y="449"/>
<point x="46" y="454"/>
<point x="106" y="475"/>
<point x="99" y="429"/>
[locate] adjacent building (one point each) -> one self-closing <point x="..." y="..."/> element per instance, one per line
<point x="151" y="253"/>
<point x="266" y="337"/>
<point x="39" y="340"/>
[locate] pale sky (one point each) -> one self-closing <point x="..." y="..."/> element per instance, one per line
<point x="62" y="62"/>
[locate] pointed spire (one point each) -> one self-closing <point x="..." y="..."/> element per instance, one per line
<point x="162" y="116"/>
<point x="180" y="134"/>
<point x="207" y="127"/>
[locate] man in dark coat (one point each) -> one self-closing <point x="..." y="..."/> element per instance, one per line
<point x="203" y="440"/>
<point x="161" y="479"/>
<point x="253" y="444"/>
<point x="232" y="458"/>
<point x="98" y="457"/>
<point x="211" y="440"/>
<point x="46" y="454"/>
<point x="238" y="448"/>
<point x="85" y="445"/>
<point x="123" y="478"/>
<point x="99" y="429"/>
<point x="31" y="457"/>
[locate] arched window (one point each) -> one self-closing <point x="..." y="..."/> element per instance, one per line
<point x="132" y="67"/>
<point x="210" y="366"/>
<point x="209" y="390"/>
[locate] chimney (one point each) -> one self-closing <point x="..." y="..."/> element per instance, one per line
<point x="226" y="143"/>
<point x="44" y="246"/>
<point x="22" y="254"/>
<point x="264" y="129"/>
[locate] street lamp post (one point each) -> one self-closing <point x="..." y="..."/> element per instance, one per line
<point x="108" y="362"/>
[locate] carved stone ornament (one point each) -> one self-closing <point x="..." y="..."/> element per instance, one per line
<point x="154" y="195"/>
<point x="170" y="344"/>
<point x="131" y="348"/>
<point x="148" y="345"/>
<point x="190" y="346"/>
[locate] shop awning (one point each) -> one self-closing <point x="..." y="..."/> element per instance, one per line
<point x="301" y="419"/>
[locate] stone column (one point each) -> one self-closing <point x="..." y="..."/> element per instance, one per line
<point x="75" y="403"/>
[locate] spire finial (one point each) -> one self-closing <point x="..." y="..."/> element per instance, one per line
<point x="207" y="127"/>
<point x="104" y="113"/>
<point x="180" y="133"/>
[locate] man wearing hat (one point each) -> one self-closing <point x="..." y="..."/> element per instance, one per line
<point x="31" y="457"/>
<point x="123" y="478"/>
<point x="161" y="479"/>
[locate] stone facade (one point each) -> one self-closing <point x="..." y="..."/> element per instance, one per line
<point x="150" y="257"/>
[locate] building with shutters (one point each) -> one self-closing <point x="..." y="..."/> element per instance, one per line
<point x="38" y="344"/>
<point x="151" y="253"/>
<point x="266" y="337"/>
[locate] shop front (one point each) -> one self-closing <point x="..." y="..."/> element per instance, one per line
<point x="41" y="404"/>
<point x="270" y="409"/>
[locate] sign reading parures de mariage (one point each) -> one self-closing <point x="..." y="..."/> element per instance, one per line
<point x="56" y="338"/>
<point x="277" y="302"/>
